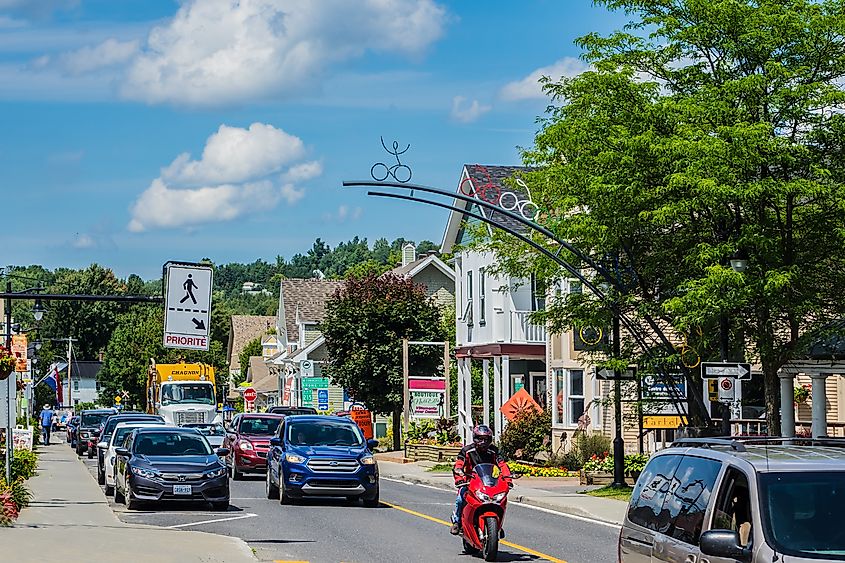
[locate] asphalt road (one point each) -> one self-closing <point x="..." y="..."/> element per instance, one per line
<point x="410" y="525"/>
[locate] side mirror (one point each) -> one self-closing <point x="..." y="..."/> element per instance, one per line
<point x="372" y="444"/>
<point x="103" y="445"/>
<point x="276" y="441"/>
<point x="724" y="544"/>
<point x="122" y="452"/>
<point x="222" y="452"/>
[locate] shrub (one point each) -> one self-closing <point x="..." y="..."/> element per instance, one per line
<point x="589" y="445"/>
<point x="569" y="460"/>
<point x="23" y="464"/>
<point x="527" y="435"/>
<point x="8" y="508"/>
<point x="434" y="432"/>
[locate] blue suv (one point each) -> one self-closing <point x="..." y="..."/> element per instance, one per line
<point x="321" y="456"/>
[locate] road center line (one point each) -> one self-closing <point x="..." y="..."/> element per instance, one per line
<point x="240" y="517"/>
<point x="518" y="503"/>
<point x="527" y="550"/>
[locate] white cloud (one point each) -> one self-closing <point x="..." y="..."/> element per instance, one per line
<point x="216" y="52"/>
<point x="344" y="213"/>
<point x="83" y="240"/>
<point x="467" y="113"/>
<point x="233" y="154"/>
<point x="241" y="171"/>
<point x="529" y="87"/>
<point x="109" y="53"/>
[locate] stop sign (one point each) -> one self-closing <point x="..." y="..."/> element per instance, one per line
<point x="250" y="394"/>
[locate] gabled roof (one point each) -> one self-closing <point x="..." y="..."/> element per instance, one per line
<point x="243" y="329"/>
<point x="87" y="369"/>
<point x="304" y="301"/>
<point x="412" y="269"/>
<point x="484" y="180"/>
<point x="260" y="378"/>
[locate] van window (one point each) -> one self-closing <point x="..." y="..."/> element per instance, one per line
<point x="689" y="495"/>
<point x="647" y="499"/>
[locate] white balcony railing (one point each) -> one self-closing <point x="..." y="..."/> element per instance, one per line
<point x="523" y="330"/>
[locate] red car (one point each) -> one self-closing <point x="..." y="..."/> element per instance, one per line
<point x="248" y="439"/>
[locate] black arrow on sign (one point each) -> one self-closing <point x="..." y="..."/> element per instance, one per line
<point x="200" y="324"/>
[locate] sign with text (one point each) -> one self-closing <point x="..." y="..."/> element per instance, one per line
<point x="715" y="370"/>
<point x="427" y="404"/>
<point x="364" y="419"/>
<point x="660" y="388"/>
<point x="312" y="383"/>
<point x="658" y="422"/>
<point x="187" y="306"/>
<point x="19" y="351"/>
<point x="250" y="395"/>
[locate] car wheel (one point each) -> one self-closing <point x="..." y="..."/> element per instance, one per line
<point x="79" y="451"/>
<point x="101" y="477"/>
<point x="284" y="497"/>
<point x="90" y="453"/>
<point x="118" y="495"/>
<point x="235" y="474"/>
<point x="109" y="490"/>
<point x="131" y="503"/>
<point x="271" y="489"/>
<point x="221" y="506"/>
<point x="372" y="501"/>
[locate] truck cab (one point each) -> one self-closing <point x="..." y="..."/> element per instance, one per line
<point x="182" y="393"/>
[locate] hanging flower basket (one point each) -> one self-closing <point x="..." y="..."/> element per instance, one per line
<point x="802" y="393"/>
<point x="7" y="363"/>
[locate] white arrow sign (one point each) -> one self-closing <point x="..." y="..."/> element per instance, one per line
<point x="187" y="306"/>
<point x="715" y="370"/>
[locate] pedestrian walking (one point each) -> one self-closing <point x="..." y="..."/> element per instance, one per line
<point x="46" y="417"/>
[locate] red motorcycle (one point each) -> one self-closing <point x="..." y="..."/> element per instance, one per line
<point x="484" y="511"/>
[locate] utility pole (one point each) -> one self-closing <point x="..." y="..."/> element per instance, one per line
<point x="69" y="364"/>
<point x="9" y="388"/>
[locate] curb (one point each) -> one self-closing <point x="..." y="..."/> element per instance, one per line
<point x="518" y="499"/>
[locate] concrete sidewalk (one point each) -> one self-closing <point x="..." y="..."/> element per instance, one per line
<point x="70" y="520"/>
<point x="553" y="494"/>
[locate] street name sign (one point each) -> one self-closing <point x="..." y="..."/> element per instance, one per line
<point x="715" y="370"/>
<point x="629" y="374"/>
<point x="187" y="305"/>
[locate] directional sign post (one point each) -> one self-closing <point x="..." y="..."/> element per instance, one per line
<point x="727" y="390"/>
<point x="716" y="370"/>
<point x="187" y="305"/>
<point x="629" y="374"/>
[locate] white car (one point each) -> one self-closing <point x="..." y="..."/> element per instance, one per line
<point x="121" y="431"/>
<point x="213" y="432"/>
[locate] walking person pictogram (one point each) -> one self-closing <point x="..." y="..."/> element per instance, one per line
<point x="189" y="286"/>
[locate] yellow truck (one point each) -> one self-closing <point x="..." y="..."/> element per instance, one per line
<point x="182" y="393"/>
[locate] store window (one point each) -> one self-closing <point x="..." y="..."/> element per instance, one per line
<point x="576" y="395"/>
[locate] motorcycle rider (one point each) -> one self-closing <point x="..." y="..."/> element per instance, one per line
<point x="480" y="451"/>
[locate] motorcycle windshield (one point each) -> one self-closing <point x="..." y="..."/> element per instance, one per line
<point x="488" y="473"/>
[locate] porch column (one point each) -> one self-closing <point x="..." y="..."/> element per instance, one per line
<point x="819" y="398"/>
<point x="497" y="395"/>
<point x="787" y="406"/>
<point x="506" y="381"/>
<point x="460" y="392"/>
<point x="485" y="372"/>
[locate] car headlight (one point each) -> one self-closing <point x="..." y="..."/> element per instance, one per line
<point x="500" y="497"/>
<point x="293" y="458"/>
<point x="219" y="472"/>
<point x="368" y="460"/>
<point x="145" y="473"/>
<point x="245" y="446"/>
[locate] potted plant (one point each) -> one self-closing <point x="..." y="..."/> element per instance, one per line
<point x="7" y="363"/>
<point x="598" y="470"/>
<point x="802" y="393"/>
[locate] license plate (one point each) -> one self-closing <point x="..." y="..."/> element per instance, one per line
<point x="182" y="489"/>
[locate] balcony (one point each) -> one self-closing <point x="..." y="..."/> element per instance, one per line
<point x="523" y="330"/>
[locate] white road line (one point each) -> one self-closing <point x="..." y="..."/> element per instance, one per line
<point x="521" y="504"/>
<point x="241" y="517"/>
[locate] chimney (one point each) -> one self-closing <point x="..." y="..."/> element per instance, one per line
<point x="409" y="254"/>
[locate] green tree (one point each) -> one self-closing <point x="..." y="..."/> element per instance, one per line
<point x="364" y="327"/>
<point x="706" y="129"/>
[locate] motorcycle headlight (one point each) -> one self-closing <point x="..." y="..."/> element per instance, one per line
<point x="500" y="497"/>
<point x="245" y="446"/>
<point x="483" y="497"/>
<point x="145" y="473"/>
<point x="368" y="460"/>
<point x="293" y="458"/>
<point x="219" y="472"/>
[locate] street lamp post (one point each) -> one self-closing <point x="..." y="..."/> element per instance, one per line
<point x="738" y="264"/>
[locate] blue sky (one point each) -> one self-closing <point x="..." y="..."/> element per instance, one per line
<point x="141" y="131"/>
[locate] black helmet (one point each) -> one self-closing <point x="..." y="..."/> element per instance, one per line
<point x="482" y="437"/>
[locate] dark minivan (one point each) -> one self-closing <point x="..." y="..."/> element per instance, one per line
<point x="89" y="428"/>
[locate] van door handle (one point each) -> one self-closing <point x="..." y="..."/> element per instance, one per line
<point x="691" y="558"/>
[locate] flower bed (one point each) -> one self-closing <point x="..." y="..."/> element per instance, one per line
<point x="537" y="471"/>
<point x="598" y="470"/>
<point x="432" y="452"/>
<point x="15" y="496"/>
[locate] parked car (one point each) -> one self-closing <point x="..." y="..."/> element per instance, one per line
<point x="751" y="500"/>
<point x="118" y="437"/>
<point x="322" y="456"/>
<point x="89" y="429"/>
<point x="291" y="411"/>
<point x="214" y="432"/>
<point x="248" y="439"/>
<point x="108" y="426"/>
<point x="170" y="464"/>
<point x="72" y="425"/>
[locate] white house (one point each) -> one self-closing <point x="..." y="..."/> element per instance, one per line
<point x="493" y="312"/>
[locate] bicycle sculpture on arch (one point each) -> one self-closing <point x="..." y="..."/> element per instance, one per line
<point x="399" y="172"/>
<point x="492" y="193"/>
